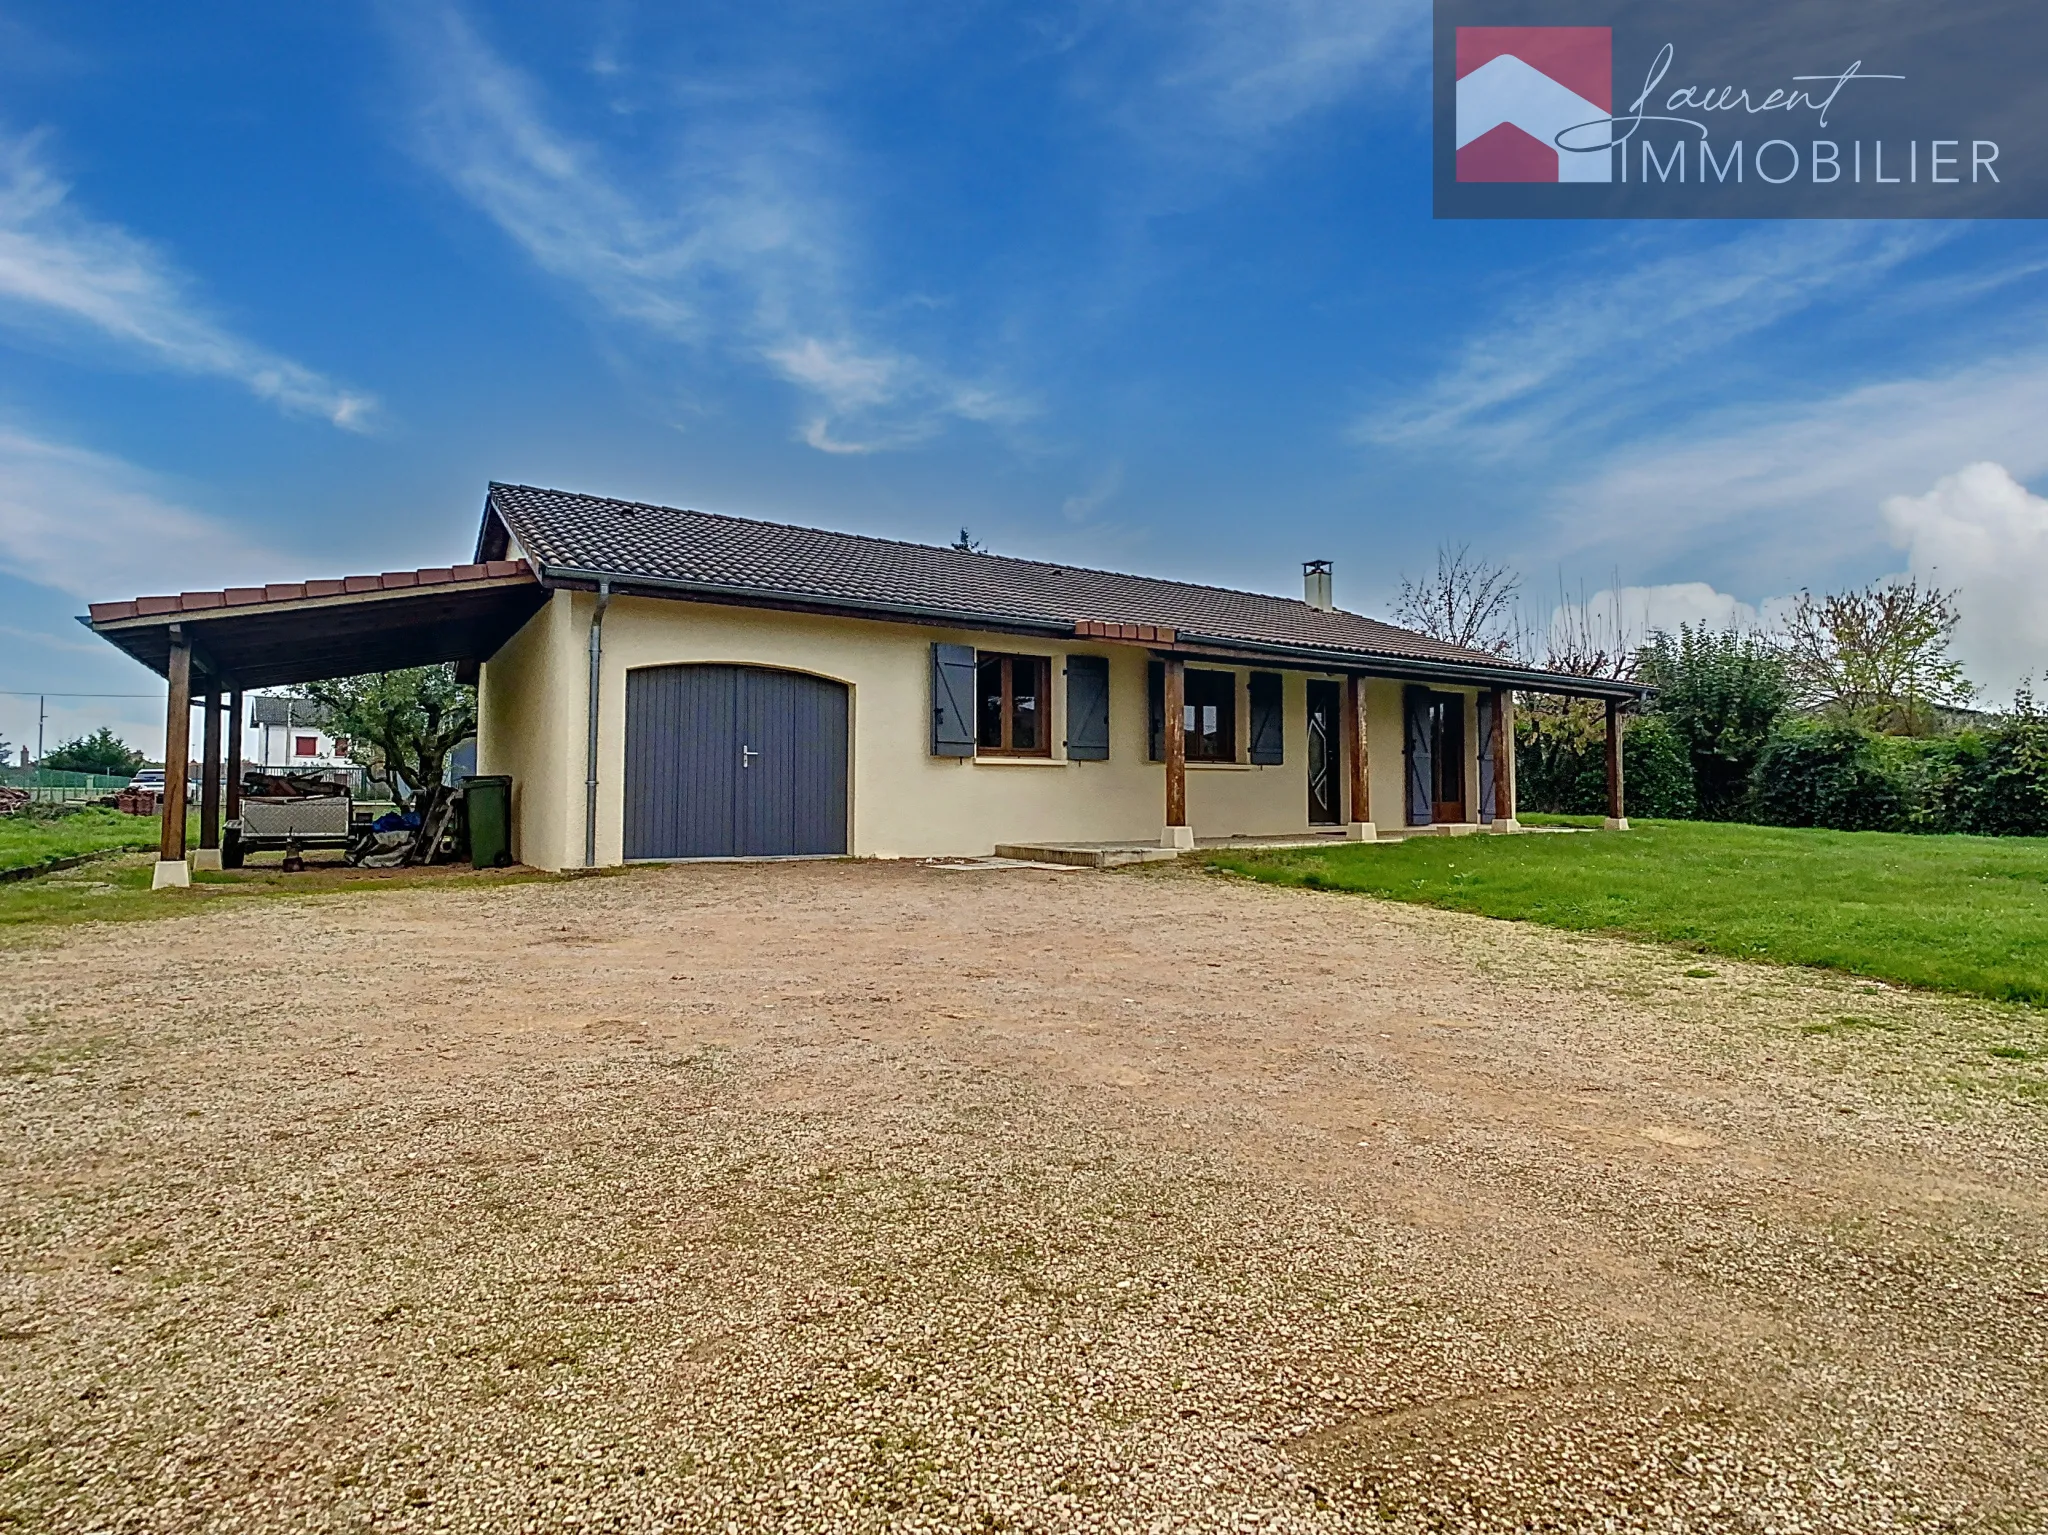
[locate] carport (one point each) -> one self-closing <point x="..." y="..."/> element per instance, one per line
<point x="212" y="647"/>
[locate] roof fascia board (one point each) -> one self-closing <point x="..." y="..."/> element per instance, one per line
<point x="298" y="604"/>
<point x="1411" y="668"/>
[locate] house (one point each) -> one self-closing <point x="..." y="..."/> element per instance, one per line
<point x="288" y="734"/>
<point x="661" y="683"/>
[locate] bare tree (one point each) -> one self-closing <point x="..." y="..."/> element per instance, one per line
<point x="1582" y="641"/>
<point x="1877" y="656"/>
<point x="1466" y="602"/>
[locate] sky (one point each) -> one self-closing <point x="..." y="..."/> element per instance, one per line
<point x="1150" y="287"/>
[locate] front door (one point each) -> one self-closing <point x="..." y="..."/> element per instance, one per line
<point x="1447" y="756"/>
<point x="1325" y="754"/>
<point x="734" y="761"/>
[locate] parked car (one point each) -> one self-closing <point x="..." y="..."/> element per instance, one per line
<point x="150" y="780"/>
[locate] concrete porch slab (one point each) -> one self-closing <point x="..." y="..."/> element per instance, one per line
<point x="1087" y="855"/>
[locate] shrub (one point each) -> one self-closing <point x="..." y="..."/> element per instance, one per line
<point x="1561" y="764"/>
<point x="1559" y="757"/>
<point x="2009" y="795"/>
<point x="1812" y="773"/>
<point x="1656" y="770"/>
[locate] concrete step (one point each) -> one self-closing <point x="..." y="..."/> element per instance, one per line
<point x="1086" y="855"/>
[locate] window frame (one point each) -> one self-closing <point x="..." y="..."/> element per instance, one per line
<point x="1227" y="716"/>
<point x="1009" y="661"/>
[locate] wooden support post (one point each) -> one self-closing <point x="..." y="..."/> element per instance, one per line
<point x="1178" y="833"/>
<point x="171" y="869"/>
<point x="1358" y="758"/>
<point x="236" y="709"/>
<point x="209" y="778"/>
<point x="1617" y="818"/>
<point x="1503" y="759"/>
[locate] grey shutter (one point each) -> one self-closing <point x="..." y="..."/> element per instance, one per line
<point x="1268" y="738"/>
<point x="1421" y="779"/>
<point x="1155" y="711"/>
<point x="952" y="700"/>
<point x="1088" y="708"/>
<point x="1486" y="804"/>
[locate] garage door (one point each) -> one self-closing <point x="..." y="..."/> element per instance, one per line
<point x="734" y="761"/>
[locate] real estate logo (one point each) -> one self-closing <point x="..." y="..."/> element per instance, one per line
<point x="1741" y="109"/>
<point x="1522" y="91"/>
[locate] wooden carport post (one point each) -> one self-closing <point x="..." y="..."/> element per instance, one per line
<point x="1178" y="833"/>
<point x="1358" y="756"/>
<point x="172" y="871"/>
<point x="1617" y="817"/>
<point x="207" y="854"/>
<point x="236" y="707"/>
<point x="1503" y="760"/>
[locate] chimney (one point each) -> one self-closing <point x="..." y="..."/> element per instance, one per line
<point x="1315" y="585"/>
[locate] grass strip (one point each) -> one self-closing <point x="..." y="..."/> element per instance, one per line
<point x="26" y="841"/>
<point x="1960" y="914"/>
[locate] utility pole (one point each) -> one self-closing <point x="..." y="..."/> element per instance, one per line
<point x="42" y="713"/>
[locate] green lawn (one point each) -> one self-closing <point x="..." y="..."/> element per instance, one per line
<point x="1967" y="914"/>
<point x="25" y="841"/>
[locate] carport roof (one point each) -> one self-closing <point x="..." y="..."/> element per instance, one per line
<point x="269" y="636"/>
<point x="580" y="540"/>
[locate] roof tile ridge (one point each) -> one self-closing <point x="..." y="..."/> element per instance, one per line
<point x="906" y="543"/>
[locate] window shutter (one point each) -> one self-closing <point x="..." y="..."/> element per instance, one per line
<point x="1486" y="804"/>
<point x="1088" y="708"/>
<point x="1155" y="711"/>
<point x="1268" y="739"/>
<point x="1421" y="780"/>
<point x="952" y="700"/>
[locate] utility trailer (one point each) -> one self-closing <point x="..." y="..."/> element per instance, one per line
<point x="287" y="812"/>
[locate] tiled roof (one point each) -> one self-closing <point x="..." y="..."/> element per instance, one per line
<point x="567" y="533"/>
<point x="299" y="591"/>
<point x="286" y="709"/>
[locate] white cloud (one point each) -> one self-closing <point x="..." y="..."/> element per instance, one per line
<point x="1985" y="535"/>
<point x="1769" y="491"/>
<point x="1624" y="617"/>
<point x="1617" y="329"/>
<point x="739" y="241"/>
<point x="1082" y="506"/>
<point x="59" y="267"/>
<point x="1255" y="66"/>
<point x="96" y="527"/>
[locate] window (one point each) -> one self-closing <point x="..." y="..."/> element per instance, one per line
<point x="1011" y="705"/>
<point x="305" y="746"/>
<point x="1209" y="719"/>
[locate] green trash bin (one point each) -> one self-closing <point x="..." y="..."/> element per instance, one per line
<point x="488" y="801"/>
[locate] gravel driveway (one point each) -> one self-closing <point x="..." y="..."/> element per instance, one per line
<point x="825" y="1196"/>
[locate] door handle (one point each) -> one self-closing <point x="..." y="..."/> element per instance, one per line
<point x="747" y="756"/>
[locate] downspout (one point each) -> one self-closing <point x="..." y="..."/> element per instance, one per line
<point x="604" y="599"/>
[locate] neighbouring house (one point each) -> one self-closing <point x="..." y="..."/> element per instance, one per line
<point x="288" y="734"/>
<point x="661" y="684"/>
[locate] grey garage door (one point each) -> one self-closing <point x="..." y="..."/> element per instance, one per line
<point x="734" y="761"/>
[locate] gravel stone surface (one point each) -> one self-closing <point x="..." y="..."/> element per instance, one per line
<point x="865" y="1197"/>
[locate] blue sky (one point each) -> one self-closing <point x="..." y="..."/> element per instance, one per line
<point x="1153" y="287"/>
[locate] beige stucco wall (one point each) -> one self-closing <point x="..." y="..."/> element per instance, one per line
<point x="903" y="801"/>
<point x="530" y="724"/>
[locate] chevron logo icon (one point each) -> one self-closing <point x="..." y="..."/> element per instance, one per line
<point x="1519" y="88"/>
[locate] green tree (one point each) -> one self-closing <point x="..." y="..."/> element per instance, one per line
<point x="1722" y="692"/>
<point x="1877" y="657"/>
<point x="401" y="725"/>
<point x="101" y="752"/>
